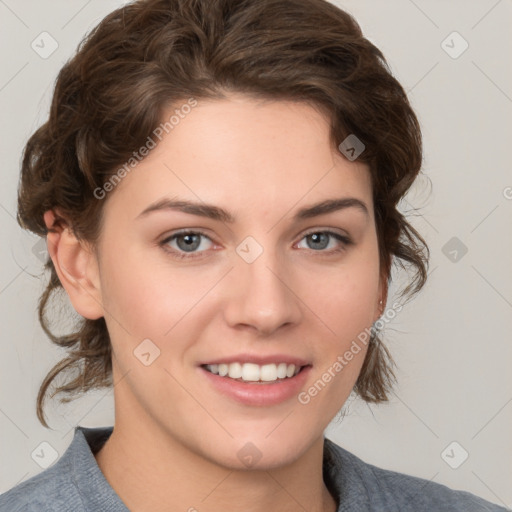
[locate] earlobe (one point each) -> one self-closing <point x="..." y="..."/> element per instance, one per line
<point x="76" y="265"/>
<point x="383" y="297"/>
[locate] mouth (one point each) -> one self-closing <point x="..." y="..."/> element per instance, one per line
<point x="255" y="373"/>
<point x="256" y="379"/>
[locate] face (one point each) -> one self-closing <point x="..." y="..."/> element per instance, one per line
<point x="243" y="241"/>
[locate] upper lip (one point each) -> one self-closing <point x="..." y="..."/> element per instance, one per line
<point x="258" y="359"/>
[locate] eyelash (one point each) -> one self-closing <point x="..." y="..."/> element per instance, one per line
<point x="345" y="241"/>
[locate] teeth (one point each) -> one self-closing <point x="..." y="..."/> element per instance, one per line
<point x="268" y="372"/>
<point x="223" y="370"/>
<point x="235" y="370"/>
<point x="281" y="370"/>
<point x="251" y="372"/>
<point x="290" y="370"/>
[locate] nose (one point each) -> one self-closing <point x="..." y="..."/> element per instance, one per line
<point x="262" y="296"/>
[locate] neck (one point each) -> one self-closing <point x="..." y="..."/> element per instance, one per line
<point x="152" y="472"/>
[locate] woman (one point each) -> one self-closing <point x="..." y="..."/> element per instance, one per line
<point x="218" y="185"/>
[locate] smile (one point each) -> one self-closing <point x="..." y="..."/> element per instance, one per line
<point x="251" y="372"/>
<point x="254" y="384"/>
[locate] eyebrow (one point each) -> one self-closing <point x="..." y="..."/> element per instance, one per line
<point x="217" y="213"/>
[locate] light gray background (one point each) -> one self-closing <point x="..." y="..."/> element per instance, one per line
<point x="452" y="343"/>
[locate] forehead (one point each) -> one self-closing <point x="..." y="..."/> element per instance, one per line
<point x="245" y="153"/>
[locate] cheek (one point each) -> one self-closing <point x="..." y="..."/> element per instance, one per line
<point x="344" y="300"/>
<point x="147" y="312"/>
<point x="149" y="299"/>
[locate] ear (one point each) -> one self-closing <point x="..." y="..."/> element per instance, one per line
<point x="76" y="265"/>
<point x="382" y="298"/>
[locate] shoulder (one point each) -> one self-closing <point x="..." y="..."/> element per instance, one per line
<point x="74" y="482"/>
<point x="50" y="490"/>
<point x="380" y="489"/>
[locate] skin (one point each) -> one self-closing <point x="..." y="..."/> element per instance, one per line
<point x="176" y="438"/>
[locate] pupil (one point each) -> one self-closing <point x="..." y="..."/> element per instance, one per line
<point x="319" y="240"/>
<point x="191" y="242"/>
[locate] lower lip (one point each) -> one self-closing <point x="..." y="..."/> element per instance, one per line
<point x="254" y="393"/>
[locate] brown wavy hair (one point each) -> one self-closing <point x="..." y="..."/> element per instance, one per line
<point x="150" y="54"/>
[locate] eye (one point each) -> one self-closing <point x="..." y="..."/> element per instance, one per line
<point x="187" y="242"/>
<point x="322" y="240"/>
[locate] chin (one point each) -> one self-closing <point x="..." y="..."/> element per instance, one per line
<point x="260" y="452"/>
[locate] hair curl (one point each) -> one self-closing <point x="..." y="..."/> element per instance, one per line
<point x="150" y="54"/>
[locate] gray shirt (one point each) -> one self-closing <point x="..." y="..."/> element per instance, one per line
<point x="75" y="483"/>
